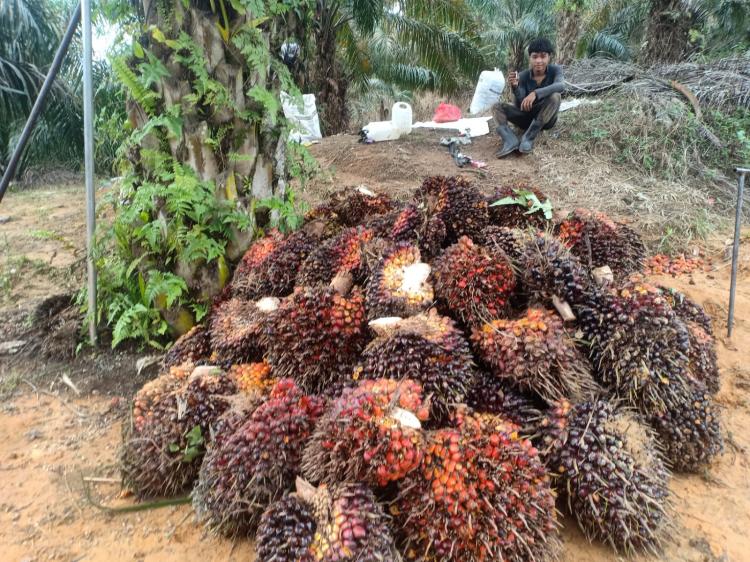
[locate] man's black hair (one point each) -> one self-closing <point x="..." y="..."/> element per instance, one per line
<point x="541" y="45"/>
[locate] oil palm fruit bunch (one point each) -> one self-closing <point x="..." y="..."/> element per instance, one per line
<point x="348" y="526"/>
<point x="253" y="378"/>
<point x="253" y="259"/>
<point x="638" y="345"/>
<point x="687" y="309"/>
<point x="399" y="283"/>
<point x="193" y="346"/>
<point x="689" y="430"/>
<point x="508" y="240"/>
<point x="481" y="494"/>
<point x="354" y="206"/>
<point x="517" y="210"/>
<point x="704" y="365"/>
<point x="323" y="220"/>
<point x="340" y="254"/>
<point x="275" y="274"/>
<point x="491" y="395"/>
<point x="370" y="434"/>
<point x="286" y="531"/>
<point x="550" y="271"/>
<point x="614" y="481"/>
<point x="534" y="353"/>
<point x="457" y="202"/>
<point x="428" y="349"/>
<point x="164" y="442"/>
<point x="258" y="463"/>
<point x="473" y="283"/>
<point x="236" y="327"/>
<point x="598" y="240"/>
<point x="315" y="335"/>
<point x="415" y="225"/>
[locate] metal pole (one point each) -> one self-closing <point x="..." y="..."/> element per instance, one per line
<point x="36" y="110"/>
<point x="736" y="248"/>
<point x="88" y="144"/>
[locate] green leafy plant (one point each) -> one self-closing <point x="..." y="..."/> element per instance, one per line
<point x="527" y="200"/>
<point x="194" y="447"/>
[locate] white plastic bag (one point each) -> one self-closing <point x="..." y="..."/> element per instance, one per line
<point x="306" y="124"/>
<point x="487" y="93"/>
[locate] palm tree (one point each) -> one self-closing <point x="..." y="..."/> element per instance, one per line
<point x="414" y="44"/>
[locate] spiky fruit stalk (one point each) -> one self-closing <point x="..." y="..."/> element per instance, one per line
<point x="549" y="270"/>
<point x="687" y="309"/>
<point x="236" y="326"/>
<point x="515" y="215"/>
<point x="340" y="254"/>
<point x="481" y="494"/>
<point x="639" y="346"/>
<point x="398" y="285"/>
<point x="598" y="240"/>
<point x="427" y="349"/>
<point x="690" y="431"/>
<point x="534" y="353"/>
<point x="615" y="484"/>
<point x="164" y="442"/>
<point x="457" y="202"/>
<point x="473" y="283"/>
<point x="315" y="335"/>
<point x="258" y="462"/>
<point x="491" y="395"/>
<point x="286" y="531"/>
<point x="271" y="269"/>
<point x="194" y="346"/>
<point x="370" y="434"/>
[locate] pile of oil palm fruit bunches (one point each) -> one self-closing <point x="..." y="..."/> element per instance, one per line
<point x="433" y="380"/>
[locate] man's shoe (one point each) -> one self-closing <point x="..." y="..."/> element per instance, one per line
<point x="527" y="141"/>
<point x="510" y="141"/>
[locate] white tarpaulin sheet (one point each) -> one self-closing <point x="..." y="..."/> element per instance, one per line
<point x="477" y="126"/>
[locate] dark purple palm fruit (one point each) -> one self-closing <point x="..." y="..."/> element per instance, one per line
<point x="286" y="531"/>
<point x="490" y="395"/>
<point x="236" y="327"/>
<point x="399" y="283"/>
<point x="509" y="240"/>
<point x="428" y="349"/>
<point x="354" y="205"/>
<point x="316" y="335"/>
<point x="536" y="354"/>
<point x="611" y="474"/>
<point x="457" y="202"/>
<point x="597" y="240"/>
<point x="165" y="440"/>
<point x="689" y="430"/>
<point x="258" y="463"/>
<point x="687" y="309"/>
<point x="341" y="254"/>
<point x="193" y="346"/>
<point x="517" y="214"/>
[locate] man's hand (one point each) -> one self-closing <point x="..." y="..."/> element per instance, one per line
<point x="513" y="79"/>
<point x="528" y="101"/>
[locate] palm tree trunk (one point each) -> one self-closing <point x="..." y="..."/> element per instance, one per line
<point x="667" y="32"/>
<point x="568" y="33"/>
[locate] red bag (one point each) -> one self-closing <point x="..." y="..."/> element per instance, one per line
<point x="445" y="113"/>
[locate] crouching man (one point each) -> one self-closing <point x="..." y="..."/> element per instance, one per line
<point x="537" y="100"/>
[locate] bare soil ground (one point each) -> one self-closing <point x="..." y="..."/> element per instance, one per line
<point x="50" y="438"/>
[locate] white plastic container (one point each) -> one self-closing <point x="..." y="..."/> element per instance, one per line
<point x="487" y="93"/>
<point x="401" y="115"/>
<point x="381" y="131"/>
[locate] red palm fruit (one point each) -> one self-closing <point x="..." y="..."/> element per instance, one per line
<point x="253" y="378"/>
<point x="236" y="326"/>
<point x="427" y="349"/>
<point x="258" y="463"/>
<point x="473" y="283"/>
<point x="315" y="335"/>
<point x="165" y="440"/>
<point x="598" y="241"/>
<point x="534" y="353"/>
<point x="517" y="215"/>
<point x="370" y="434"/>
<point x="456" y="202"/>
<point x="271" y="271"/>
<point x="481" y="494"/>
<point x="398" y="285"/>
<point x="615" y="483"/>
<point x="194" y="346"/>
<point x="340" y="254"/>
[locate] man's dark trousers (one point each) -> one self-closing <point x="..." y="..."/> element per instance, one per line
<point x="545" y="110"/>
